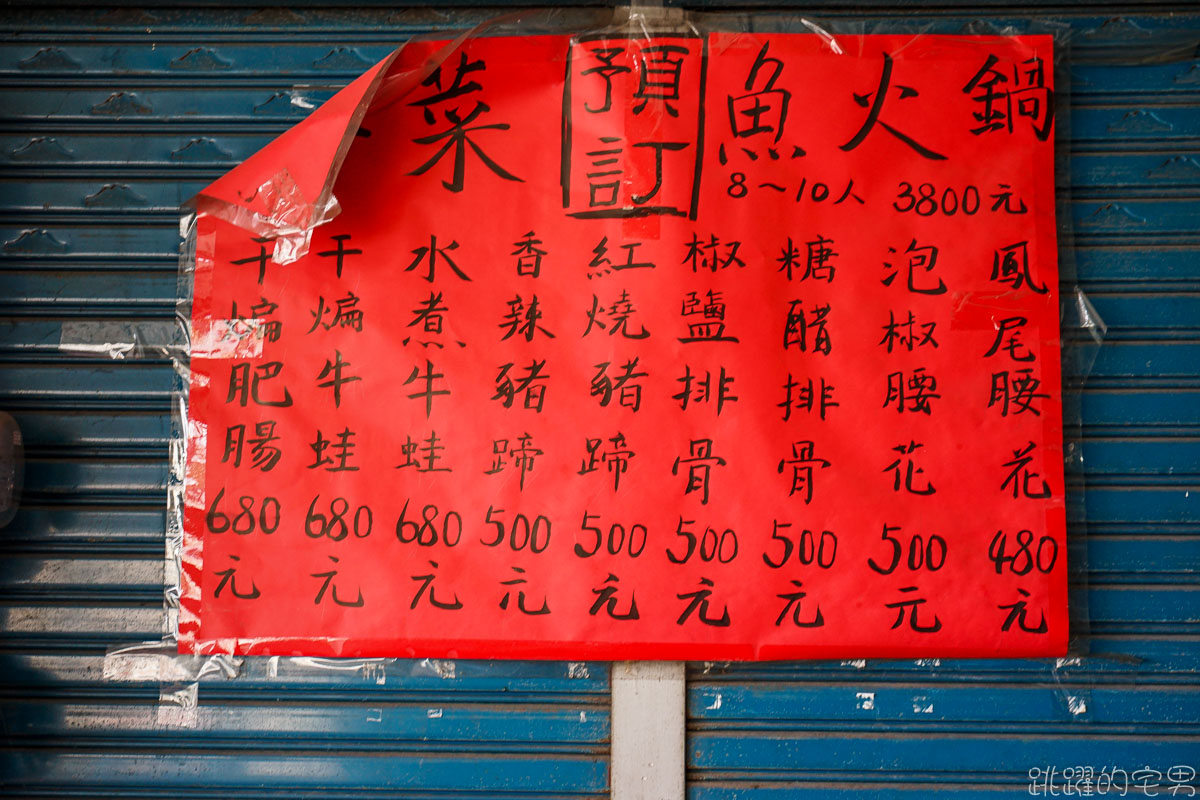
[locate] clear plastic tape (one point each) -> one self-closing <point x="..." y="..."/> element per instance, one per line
<point x="188" y="438"/>
<point x="178" y="676"/>
<point x="289" y="219"/>
<point x="1081" y="332"/>
<point x="121" y="340"/>
<point x="867" y="680"/>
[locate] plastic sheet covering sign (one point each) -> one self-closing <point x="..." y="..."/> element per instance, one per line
<point x="732" y="346"/>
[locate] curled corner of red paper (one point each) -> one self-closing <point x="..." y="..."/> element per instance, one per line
<point x="285" y="190"/>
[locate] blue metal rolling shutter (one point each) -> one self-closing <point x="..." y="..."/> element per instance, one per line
<point x="108" y="121"/>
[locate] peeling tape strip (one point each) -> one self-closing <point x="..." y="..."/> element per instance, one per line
<point x="179" y="707"/>
<point x="121" y="340"/>
<point x="229" y="338"/>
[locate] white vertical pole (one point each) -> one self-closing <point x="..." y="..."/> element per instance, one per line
<point x="648" y="730"/>
<point x="648" y="697"/>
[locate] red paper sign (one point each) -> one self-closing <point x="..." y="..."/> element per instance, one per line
<point x="733" y="347"/>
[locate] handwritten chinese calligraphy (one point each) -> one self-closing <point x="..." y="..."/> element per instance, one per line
<point x="723" y="346"/>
